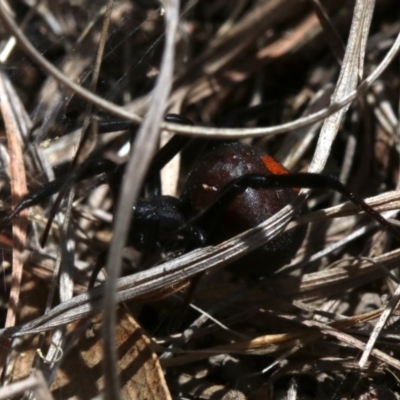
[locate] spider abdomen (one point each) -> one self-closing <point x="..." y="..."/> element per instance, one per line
<point x="216" y="170"/>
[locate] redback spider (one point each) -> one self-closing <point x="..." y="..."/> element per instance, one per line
<point x="233" y="188"/>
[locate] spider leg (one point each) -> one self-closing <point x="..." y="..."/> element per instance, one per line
<point x="162" y="157"/>
<point x="299" y="180"/>
<point x="114" y="125"/>
<point x="91" y="169"/>
<point x="110" y="125"/>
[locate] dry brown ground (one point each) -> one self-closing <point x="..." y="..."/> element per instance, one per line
<point x="323" y="327"/>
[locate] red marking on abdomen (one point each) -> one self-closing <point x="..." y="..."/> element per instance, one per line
<point x="273" y="166"/>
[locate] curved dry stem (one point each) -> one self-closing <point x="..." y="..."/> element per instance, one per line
<point x="142" y="153"/>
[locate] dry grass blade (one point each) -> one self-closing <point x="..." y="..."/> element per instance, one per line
<point x="379" y="326"/>
<point x="19" y="189"/>
<point x="34" y="383"/>
<point x="276" y="344"/>
<point x="142" y="152"/>
<point x="351" y="73"/>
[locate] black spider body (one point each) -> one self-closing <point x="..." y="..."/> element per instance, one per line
<point x="158" y="223"/>
<point x="233" y="188"/>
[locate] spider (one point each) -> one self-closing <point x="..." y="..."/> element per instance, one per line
<point x="234" y="187"/>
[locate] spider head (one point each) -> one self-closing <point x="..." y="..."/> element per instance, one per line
<point x="159" y="225"/>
